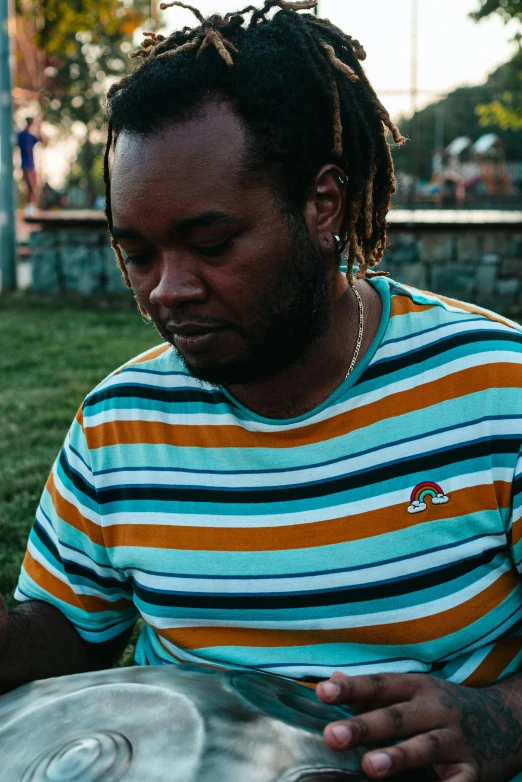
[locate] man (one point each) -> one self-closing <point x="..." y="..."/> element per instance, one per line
<point x="314" y="475"/>
<point x="27" y="142"/>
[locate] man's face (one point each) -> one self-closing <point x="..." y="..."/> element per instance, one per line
<point x="236" y="287"/>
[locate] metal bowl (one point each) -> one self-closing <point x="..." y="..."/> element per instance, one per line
<point x="172" y="723"/>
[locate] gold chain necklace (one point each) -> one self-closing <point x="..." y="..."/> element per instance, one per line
<point x="361" y="329"/>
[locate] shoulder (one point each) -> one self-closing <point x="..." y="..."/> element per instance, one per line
<point x="451" y="347"/>
<point x="413" y="310"/>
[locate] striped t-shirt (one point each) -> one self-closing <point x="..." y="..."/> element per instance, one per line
<point x="379" y="532"/>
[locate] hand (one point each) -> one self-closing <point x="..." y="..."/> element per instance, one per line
<point x="466" y="734"/>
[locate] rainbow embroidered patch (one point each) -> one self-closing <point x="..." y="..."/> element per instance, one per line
<point x="420" y="494"/>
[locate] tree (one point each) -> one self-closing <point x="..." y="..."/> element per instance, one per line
<point x="505" y="110"/>
<point x="86" y="45"/>
<point x="507" y="9"/>
<point x="435" y="126"/>
<point x="82" y="47"/>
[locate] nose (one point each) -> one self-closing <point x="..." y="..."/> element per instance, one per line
<point x="178" y="283"/>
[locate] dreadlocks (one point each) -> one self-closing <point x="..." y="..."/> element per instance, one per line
<point x="298" y="84"/>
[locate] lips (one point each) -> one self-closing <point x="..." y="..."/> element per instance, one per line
<point x="195" y="338"/>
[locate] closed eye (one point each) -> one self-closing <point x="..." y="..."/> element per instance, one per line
<point x="216" y="249"/>
<point x="138" y="260"/>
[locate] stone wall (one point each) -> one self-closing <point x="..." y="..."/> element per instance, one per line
<point x="476" y="264"/>
<point x="472" y="264"/>
<point x="74" y="261"/>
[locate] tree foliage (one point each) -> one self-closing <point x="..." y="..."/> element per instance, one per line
<point x="85" y="45"/>
<point x="507" y="9"/>
<point x="457" y="114"/>
<point x="505" y="110"/>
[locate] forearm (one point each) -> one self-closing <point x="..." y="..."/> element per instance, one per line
<point x="39" y="642"/>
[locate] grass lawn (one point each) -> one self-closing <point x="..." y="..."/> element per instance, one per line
<point x="53" y="352"/>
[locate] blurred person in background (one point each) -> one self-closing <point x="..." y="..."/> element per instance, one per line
<point x="27" y="140"/>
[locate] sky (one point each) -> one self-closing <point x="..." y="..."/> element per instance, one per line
<point x="452" y="49"/>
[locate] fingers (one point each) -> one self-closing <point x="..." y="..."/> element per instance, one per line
<point x="378" y="689"/>
<point x="428" y="749"/>
<point x="397" y="721"/>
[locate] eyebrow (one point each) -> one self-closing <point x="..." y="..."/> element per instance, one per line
<point x="202" y="220"/>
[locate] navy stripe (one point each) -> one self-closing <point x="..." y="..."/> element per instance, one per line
<point x="77" y="480"/>
<point x="327" y="597"/>
<point x="415" y="334"/>
<point x="354" y="569"/>
<point x="74" y="569"/>
<point x="425" y="463"/>
<point x="414" y="357"/>
<point x="171" y="396"/>
<point x="461" y="426"/>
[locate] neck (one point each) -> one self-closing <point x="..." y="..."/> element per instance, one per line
<point x="304" y="386"/>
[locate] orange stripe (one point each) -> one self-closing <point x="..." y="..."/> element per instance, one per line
<point x="476" y="311"/>
<point x="495" y="663"/>
<point x="406" y="305"/>
<point x="149" y="356"/>
<point x="415" y="631"/>
<point x="402" y="305"/>
<point x="464" y="383"/>
<point x="72" y="516"/>
<point x="63" y="592"/>
<point x="294" y="536"/>
<point x="503" y="491"/>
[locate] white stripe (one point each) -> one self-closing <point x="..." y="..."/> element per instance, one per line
<point x="74" y="500"/>
<point x="194" y="658"/>
<point x="363" y="399"/>
<point x="78" y="465"/>
<point x="73" y="555"/>
<point x="470" y="664"/>
<point x="377" y="618"/>
<point x="421" y="297"/>
<point x="271" y="520"/>
<point x="489" y="358"/>
<point x="416" y="341"/>
<point x="169" y="382"/>
<point x="310" y="582"/>
<point x="495" y="634"/>
<point x="352" y="463"/>
<point x="76" y="588"/>
<point x="325" y="671"/>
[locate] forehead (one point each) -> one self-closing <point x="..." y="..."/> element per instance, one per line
<point x="192" y="163"/>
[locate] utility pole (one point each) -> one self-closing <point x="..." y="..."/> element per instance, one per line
<point x="316" y="9"/>
<point x="7" y="203"/>
<point x="414" y="92"/>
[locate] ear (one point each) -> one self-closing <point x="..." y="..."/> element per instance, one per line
<point x="324" y="208"/>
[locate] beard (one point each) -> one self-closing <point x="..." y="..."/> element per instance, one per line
<point x="290" y="318"/>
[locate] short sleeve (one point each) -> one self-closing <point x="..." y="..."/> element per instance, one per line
<point x="66" y="562"/>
